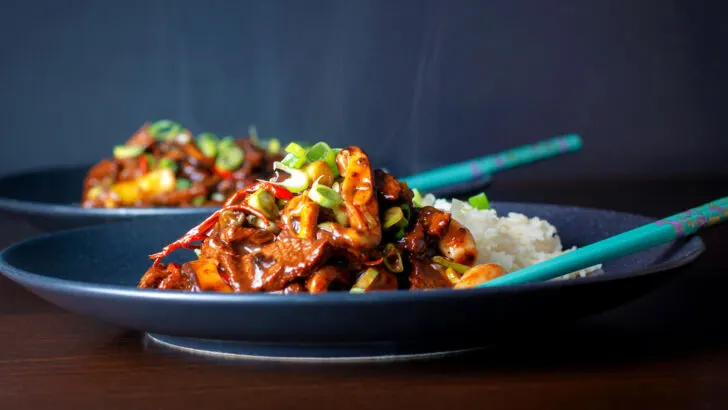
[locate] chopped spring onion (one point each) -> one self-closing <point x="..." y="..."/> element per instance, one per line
<point x="293" y="161"/>
<point x="183" y="183"/>
<point x="392" y="217"/>
<point x="168" y="164"/>
<point x="296" y="150"/>
<point x="127" y="151"/>
<point x="450" y="264"/>
<point x="151" y="161"/>
<point x="452" y="275"/>
<point x="323" y="195"/>
<point x="365" y="280"/>
<point x="229" y="155"/>
<point x="417" y="198"/>
<point x="197" y="252"/>
<point x="406" y="212"/>
<point x="400" y="233"/>
<point x="253" y="133"/>
<point x="479" y="201"/>
<point x="336" y="187"/>
<point x="340" y="215"/>
<point x="198" y="201"/>
<point x="392" y="258"/>
<point x="207" y="143"/>
<point x="321" y="151"/>
<point x="164" y="130"/>
<point x="274" y="146"/>
<point x="297" y="182"/>
<point x="265" y="202"/>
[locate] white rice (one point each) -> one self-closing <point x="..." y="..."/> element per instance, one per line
<point x="514" y="241"/>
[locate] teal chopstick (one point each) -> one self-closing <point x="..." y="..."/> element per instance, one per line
<point x="478" y="168"/>
<point x="638" y="239"/>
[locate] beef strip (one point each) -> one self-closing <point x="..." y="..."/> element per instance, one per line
<point x="424" y="276"/>
<point x="277" y="264"/>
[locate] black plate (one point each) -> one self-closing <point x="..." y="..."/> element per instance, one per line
<point x="94" y="271"/>
<point x="48" y="200"/>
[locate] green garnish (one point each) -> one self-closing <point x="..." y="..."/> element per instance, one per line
<point x="321" y="151"/>
<point x="392" y="217"/>
<point x="392" y="258"/>
<point x="207" y="143"/>
<point x="167" y="163"/>
<point x="365" y="280"/>
<point x="151" y="161"/>
<point x="293" y="161"/>
<point x="296" y="150"/>
<point x="450" y="264"/>
<point x="324" y="196"/>
<point x="297" y="182"/>
<point x="199" y="200"/>
<point x="274" y="146"/>
<point x="164" y="130"/>
<point x="479" y="201"/>
<point x="265" y="202"/>
<point x="417" y="198"/>
<point x="127" y="151"/>
<point x="229" y="155"/>
<point x="253" y="134"/>
<point x="183" y="183"/>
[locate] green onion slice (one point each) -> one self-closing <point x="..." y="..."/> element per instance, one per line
<point x="392" y="258"/>
<point x="183" y="183"/>
<point x="297" y="182"/>
<point x="321" y="151"/>
<point x="392" y="217"/>
<point x="127" y="151"/>
<point x="479" y="201"/>
<point x="417" y="198"/>
<point x="365" y="280"/>
<point x="167" y="163"/>
<point x="207" y="143"/>
<point x="265" y="202"/>
<point x="340" y="215"/>
<point x="229" y="155"/>
<point x="199" y="200"/>
<point x="296" y="150"/>
<point x="452" y="275"/>
<point x="293" y="161"/>
<point x="164" y="130"/>
<point x="274" y="146"/>
<point x="253" y="134"/>
<point x="450" y="264"/>
<point x="324" y="196"/>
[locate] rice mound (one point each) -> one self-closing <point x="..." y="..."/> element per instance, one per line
<point x="514" y="241"/>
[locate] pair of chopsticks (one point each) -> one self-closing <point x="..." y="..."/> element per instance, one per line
<point x="663" y="231"/>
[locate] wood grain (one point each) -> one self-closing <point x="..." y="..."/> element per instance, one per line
<point x="668" y="350"/>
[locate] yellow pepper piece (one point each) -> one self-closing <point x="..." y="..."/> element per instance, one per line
<point x="153" y="183"/>
<point x="208" y="277"/>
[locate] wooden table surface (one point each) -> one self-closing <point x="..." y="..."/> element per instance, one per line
<point x="667" y="350"/>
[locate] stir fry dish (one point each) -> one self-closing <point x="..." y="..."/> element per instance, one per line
<point x="325" y="222"/>
<point x="162" y="164"/>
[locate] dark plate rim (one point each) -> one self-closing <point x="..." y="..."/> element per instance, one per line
<point x="71" y="286"/>
<point x="70" y="210"/>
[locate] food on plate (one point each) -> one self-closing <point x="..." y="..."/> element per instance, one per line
<point x="328" y="221"/>
<point x="163" y="164"/>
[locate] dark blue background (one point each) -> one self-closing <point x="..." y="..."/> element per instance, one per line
<point x="417" y="83"/>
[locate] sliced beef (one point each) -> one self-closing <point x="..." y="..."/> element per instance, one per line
<point x="277" y="264"/>
<point x="425" y="276"/>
